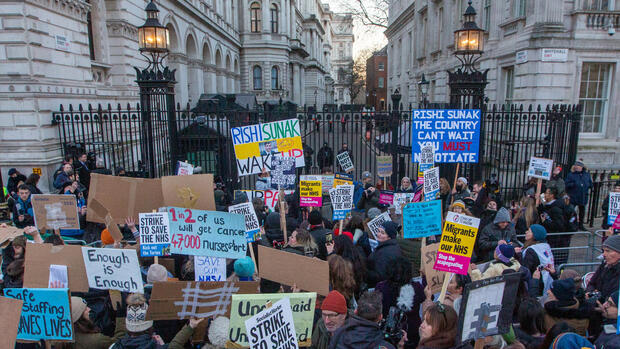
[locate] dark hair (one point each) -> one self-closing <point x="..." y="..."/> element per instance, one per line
<point x="370" y="306"/>
<point x="24" y="187"/>
<point x="531" y="316"/>
<point x="65" y="185"/>
<point x="356" y="222"/>
<point x="554" y="191"/>
<point x="556" y="330"/>
<point x="443" y="319"/>
<point x="462" y="280"/>
<point x="68" y="158"/>
<point x="343" y="246"/>
<point x="85" y="326"/>
<point x="33" y="179"/>
<point x="54" y="240"/>
<point x="399" y="273"/>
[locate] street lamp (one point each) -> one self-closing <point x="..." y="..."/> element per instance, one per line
<point x="396" y="96"/>
<point x="423" y="86"/>
<point x="153" y="38"/>
<point x="316" y="93"/>
<point x="469" y="40"/>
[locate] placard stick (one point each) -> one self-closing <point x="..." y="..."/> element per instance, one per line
<point x="341" y="224"/>
<point x="538" y="190"/>
<point x="444" y="287"/>
<point x="282" y="213"/>
<point x="456" y="176"/>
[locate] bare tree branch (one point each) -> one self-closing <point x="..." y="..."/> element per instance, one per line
<point x="369" y="12"/>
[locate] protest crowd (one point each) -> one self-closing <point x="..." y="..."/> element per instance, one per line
<point x="357" y="263"/>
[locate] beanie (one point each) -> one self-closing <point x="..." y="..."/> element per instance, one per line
<point x="459" y="203"/>
<point x="563" y="290"/>
<point x="570" y="340"/>
<point x="613" y="243"/>
<point x="335" y="302"/>
<point x="390" y="228"/>
<point x="579" y="163"/>
<point x="106" y="237"/>
<point x="315" y="218"/>
<point x="12" y="171"/>
<point x="463" y="179"/>
<point x="157" y="272"/>
<point x="539" y="232"/>
<point x="505" y="252"/>
<point x="502" y="216"/>
<point x="136" y="314"/>
<point x="78" y="306"/>
<point x="244" y="267"/>
<point x="272" y="221"/>
<point x="373" y="213"/>
<point x="218" y="331"/>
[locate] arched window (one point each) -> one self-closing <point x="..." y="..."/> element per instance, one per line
<point x="340" y="75"/>
<point x="255" y="17"/>
<point x="274" y="78"/>
<point x="257" y="77"/>
<point x="274" y="18"/>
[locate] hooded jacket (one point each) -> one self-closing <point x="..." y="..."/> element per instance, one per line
<point x="359" y="333"/>
<point x="573" y="312"/>
<point x="99" y="340"/>
<point x="380" y="259"/>
<point x="492" y="234"/>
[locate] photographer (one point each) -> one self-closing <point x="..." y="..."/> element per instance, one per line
<point x="562" y="306"/>
<point x="23" y="215"/>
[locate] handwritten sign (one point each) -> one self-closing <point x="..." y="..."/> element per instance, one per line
<point x="252" y="228"/>
<point x="184" y="168"/>
<point x="310" y="192"/>
<point x="345" y="161"/>
<point x="55" y="211"/>
<point x="45" y="313"/>
<point x="256" y="144"/>
<point x="327" y="183"/>
<point x="113" y="269"/>
<point x="209" y="268"/>
<point x="427" y="160"/>
<point x="454" y="134"/>
<point x="431" y="183"/>
<point x="401" y="199"/>
<point x="342" y="201"/>
<point x="283" y="172"/>
<point x="384" y="166"/>
<point x="264" y="334"/>
<point x="269" y="197"/>
<point x="207" y="233"/>
<point x="614" y="208"/>
<point x="457" y="243"/>
<point x="422" y="219"/>
<point x="434" y="278"/>
<point x="386" y="197"/>
<point x="154" y="234"/>
<point x="342" y="179"/>
<point x="376" y="223"/>
<point x="540" y="168"/>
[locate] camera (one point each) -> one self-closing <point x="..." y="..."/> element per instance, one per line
<point x="391" y="326"/>
<point x="594" y="296"/>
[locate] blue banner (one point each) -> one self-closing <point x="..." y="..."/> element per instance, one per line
<point x="454" y="134"/>
<point x="422" y="219"/>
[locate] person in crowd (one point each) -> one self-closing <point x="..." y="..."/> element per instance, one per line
<point x="13" y="263"/>
<point x="536" y="253"/>
<point x="344" y="247"/>
<point x="308" y="153"/>
<point x="360" y="187"/>
<point x="488" y="214"/>
<point x="83" y="170"/>
<point x="458" y="206"/>
<point x="382" y="185"/>
<point x="86" y="334"/>
<point x="578" y="185"/>
<point x="383" y="256"/>
<point x="608" y="338"/>
<point x="526" y="214"/>
<point x="460" y="191"/>
<point x="370" y="196"/>
<point x="342" y="279"/>
<point x="439" y="329"/>
<point x="498" y="233"/>
<point x="362" y="329"/>
<point x="531" y="330"/>
<point x="64" y="177"/>
<point x="360" y="236"/>
<point x="552" y="218"/>
<point x="557" y="181"/>
<point x="119" y="171"/>
<point x="569" y="340"/>
<point x="481" y="198"/>
<point x="405" y="186"/>
<point x="454" y="294"/>
<point x="345" y="149"/>
<point x="14" y="178"/>
<point x="101" y="169"/>
<point x="23" y="214"/>
<point x="259" y="208"/>
<point x="32" y="181"/>
<point x="264" y="180"/>
<point x="605" y="206"/>
<point x="334" y="313"/>
<point x="444" y="194"/>
<point x="607" y="277"/>
<point x="562" y="306"/>
<point x="301" y="242"/>
<point x="504" y="260"/>
<point x="319" y="233"/>
<point x="325" y="156"/>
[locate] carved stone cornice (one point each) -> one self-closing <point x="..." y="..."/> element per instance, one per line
<point x="75" y="8"/>
<point x="122" y="28"/>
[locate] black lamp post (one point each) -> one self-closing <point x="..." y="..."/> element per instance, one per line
<point x="153" y="38"/>
<point x="396" y="96"/>
<point x="423" y="88"/>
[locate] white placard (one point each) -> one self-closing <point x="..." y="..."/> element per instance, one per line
<point x="273" y="327"/>
<point x="521" y="57"/>
<point x="554" y="55"/>
<point x="431" y="183"/>
<point x="342" y="200"/>
<point x="401" y="199"/>
<point x="209" y="268"/>
<point x="614" y="208"/>
<point x="154" y="234"/>
<point x="375" y="224"/>
<point x="113" y="269"/>
<point x="184" y="169"/>
<point x="58" y="276"/>
<point x="252" y="227"/>
<point x="540" y="168"/>
<point x="345" y="161"/>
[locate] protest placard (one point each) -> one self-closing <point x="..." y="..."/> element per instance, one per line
<point x="342" y="179"/>
<point x="262" y="333"/>
<point x="39" y="258"/>
<point x="401" y="199"/>
<point x="427" y="160"/>
<point x="454" y="134"/>
<point x="540" y="168"/>
<point x="434" y="278"/>
<point x="207" y="233"/>
<point x="113" y="269"/>
<point x="284" y="267"/>
<point x="8" y="233"/>
<point x="209" y="268"/>
<point x="283" y="173"/>
<point x="59" y="277"/>
<point x="252" y="228"/>
<point x="269" y="197"/>
<point x="376" y="223"/>
<point x="342" y="201"/>
<point x="256" y="144"/>
<point x="386" y="197"/>
<point x="184" y="168"/>
<point x="614" y="208"/>
<point x="45" y="313"/>
<point x="154" y="234"/>
<point x="327" y="183"/>
<point x="55" y="211"/>
<point x="457" y="243"/>
<point x="345" y="162"/>
<point x="112" y="227"/>
<point x="244" y="306"/>
<point x="11" y="310"/>
<point x="384" y="166"/>
<point x="310" y="192"/>
<point x="184" y="299"/>
<point x="124" y="197"/>
<point x="422" y="219"/>
<point x="431" y="183"/>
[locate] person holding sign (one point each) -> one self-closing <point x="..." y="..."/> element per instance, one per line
<point x="493" y="235"/>
<point x="86" y="333"/>
<point x="381" y="258"/>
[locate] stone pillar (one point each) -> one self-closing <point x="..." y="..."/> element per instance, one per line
<point x="266" y="19"/>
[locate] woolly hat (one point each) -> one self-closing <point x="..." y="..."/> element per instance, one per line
<point x="390" y="228"/>
<point x="570" y="340"/>
<point x="463" y="179"/>
<point x="157" y="272"/>
<point x="12" y="171"/>
<point x="136" y="314"/>
<point x="563" y="290"/>
<point x="502" y="216"/>
<point x="315" y="218"/>
<point x="106" y="237"/>
<point x="459" y="203"/>
<point x="612" y="243"/>
<point x="373" y="213"/>
<point x="579" y="163"/>
<point x="505" y="252"/>
<point x="348" y="234"/>
<point x="272" y="221"/>
<point x="244" y="267"/>
<point x="218" y="331"/>
<point x="335" y="302"/>
<point x="78" y="306"/>
<point x="539" y="232"/>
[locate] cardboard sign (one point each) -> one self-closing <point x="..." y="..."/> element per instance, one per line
<point x="45" y="313"/>
<point x="184" y="168"/>
<point x="427" y="160"/>
<point x="256" y="144"/>
<point x="263" y="334"/>
<point x="8" y="233"/>
<point x="112" y="227"/>
<point x="454" y="134"/>
<point x="283" y="173"/>
<point x="11" y="310"/>
<point x="614" y="208"/>
<point x="434" y="278"/>
<point x="310" y="192"/>
<point x="209" y="268"/>
<point x="55" y="211"/>
<point x="327" y="183"/>
<point x="39" y="258"/>
<point x="457" y="243"/>
<point x="269" y="197"/>
<point x="376" y="223"/>
<point x="342" y="201"/>
<point x="252" y="228"/>
<point x="422" y="219"/>
<point x="342" y="179"/>
<point x="540" y="168"/>
<point x="431" y="183"/>
<point x="207" y="233"/>
<point x="245" y="306"/>
<point x="386" y="197"/>
<point x="172" y="300"/>
<point x="154" y="234"/>
<point x="345" y="162"/>
<point x="124" y="197"/>
<point x="284" y="267"/>
<point x="401" y="199"/>
<point x="384" y="166"/>
<point x="113" y="269"/>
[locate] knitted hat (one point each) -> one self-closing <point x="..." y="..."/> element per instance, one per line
<point x="106" y="237"/>
<point x="218" y="331"/>
<point x="12" y="171"/>
<point x="373" y="213"/>
<point x="366" y="174"/>
<point x="335" y="302"/>
<point x="613" y="243"/>
<point x="570" y="340"/>
<point x="579" y="163"/>
<point x="244" y="267"/>
<point x="463" y="179"/>
<point x="78" y="306"/>
<point x="272" y="221"/>
<point x="315" y="218"/>
<point x="390" y="228"/>
<point x="505" y="252"/>
<point x="539" y="232"/>
<point x="502" y="216"/>
<point x="136" y="314"/>
<point x="157" y="272"/>
<point x="563" y="290"/>
<point x="459" y="203"/>
<point x="348" y="234"/>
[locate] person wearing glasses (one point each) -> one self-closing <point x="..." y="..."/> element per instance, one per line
<point x="333" y="315"/>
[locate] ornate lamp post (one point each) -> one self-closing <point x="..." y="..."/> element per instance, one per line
<point x="423" y="88"/>
<point x="153" y="38"/>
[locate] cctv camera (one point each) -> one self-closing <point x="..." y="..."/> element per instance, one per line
<point x="611" y="31"/>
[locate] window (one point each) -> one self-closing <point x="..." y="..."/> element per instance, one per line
<point x="341" y="51"/>
<point x="519" y="8"/>
<point x="508" y="75"/>
<point x="381" y="83"/>
<point x="274" y="18"/>
<point x="274" y="78"/>
<point x="440" y="31"/>
<point x="91" y="41"/>
<point x="341" y="95"/>
<point x="255" y="17"/>
<point x="257" y="77"/>
<point x="340" y="75"/>
<point x="487" y="15"/>
<point x="598" y="5"/>
<point x="594" y="95"/>
<point x="381" y="66"/>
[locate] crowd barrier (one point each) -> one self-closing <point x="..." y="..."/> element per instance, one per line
<point x="579" y="249"/>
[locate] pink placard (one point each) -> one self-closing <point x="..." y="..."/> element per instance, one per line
<point x="451" y="263"/>
<point x="310" y="201"/>
<point x="386" y="197"/>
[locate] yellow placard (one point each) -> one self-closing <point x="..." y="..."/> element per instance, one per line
<point x="458" y="239"/>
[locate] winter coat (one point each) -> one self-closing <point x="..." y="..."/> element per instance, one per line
<point x="605" y="279"/>
<point x="11" y="185"/>
<point x="24" y="208"/>
<point x="460" y="195"/>
<point x="60" y="180"/>
<point x="529" y="341"/>
<point x="486" y="218"/>
<point x="369" y="200"/>
<point x="578" y="185"/>
<point x="145" y="341"/>
<point x="608" y="341"/>
<point x="573" y="312"/>
<point x="555" y="223"/>
<point x="84" y="174"/>
<point x="530" y="260"/>
<point x="496" y="268"/>
<point x="491" y="235"/>
<point x="380" y="260"/>
<point x="359" y="333"/>
<point x="99" y="340"/>
<point x="318" y="233"/>
<point x="320" y="336"/>
<point x="325" y="157"/>
<point x="415" y="294"/>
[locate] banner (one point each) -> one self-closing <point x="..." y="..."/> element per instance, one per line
<point x="422" y="219"/>
<point x="113" y="269"/>
<point x="256" y="144"/>
<point x="11" y="310"/>
<point x="269" y="197"/>
<point x="245" y="306"/>
<point x="342" y="179"/>
<point x="434" y="278"/>
<point x="154" y="234"/>
<point x="55" y="211"/>
<point x="386" y="197"/>
<point x="46" y="313"/>
<point x="310" y="192"/>
<point x="375" y="224"/>
<point x="209" y="268"/>
<point x="431" y="183"/>
<point x="283" y="173"/>
<point x="401" y="199"/>
<point x="273" y="327"/>
<point x="427" y="161"/>
<point x="457" y="243"/>
<point x="540" y="168"/>
<point x="384" y="166"/>
<point x="342" y="201"/>
<point x="252" y="228"/>
<point x="207" y="233"/>
<point x="345" y="162"/>
<point x="184" y="168"/>
<point x="614" y="208"/>
<point x="454" y="134"/>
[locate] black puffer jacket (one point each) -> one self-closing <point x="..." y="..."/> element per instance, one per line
<point x="359" y="333"/>
<point x="380" y="259"/>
